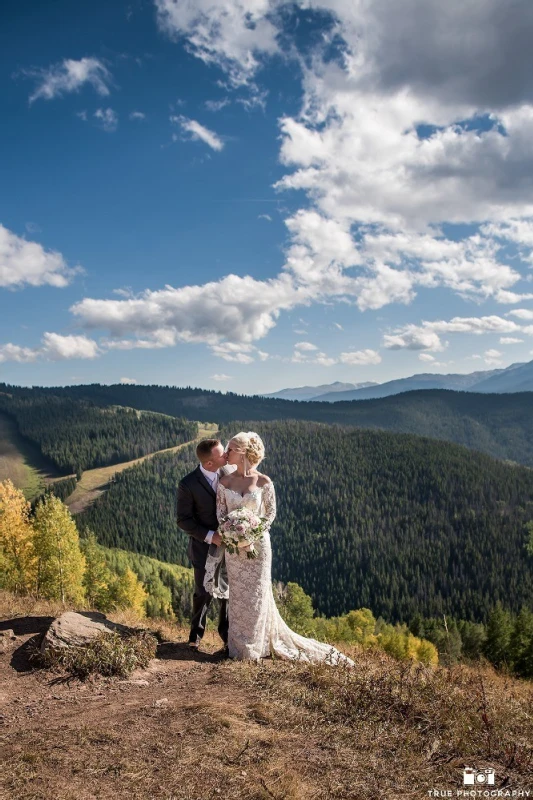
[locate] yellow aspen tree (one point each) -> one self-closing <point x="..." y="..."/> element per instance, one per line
<point x="60" y="562"/>
<point x="17" y="555"/>
<point x="427" y="653"/>
<point x="97" y="578"/>
<point x="128" y="592"/>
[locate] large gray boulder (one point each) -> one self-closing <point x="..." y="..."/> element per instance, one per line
<point x="72" y="629"/>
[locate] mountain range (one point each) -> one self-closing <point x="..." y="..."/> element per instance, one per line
<point x="312" y="392"/>
<point x="498" y="424"/>
<point x="515" y="378"/>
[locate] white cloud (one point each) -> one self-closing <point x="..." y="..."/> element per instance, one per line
<point x="378" y="192"/>
<point x="354" y="357"/>
<point x="107" y="118"/>
<point x="199" y="132"/>
<point x="265" y="216"/>
<point x="69" y="76"/>
<point x="229" y="351"/>
<point x="221" y="377"/>
<point x="311" y="357"/>
<point x="510" y="340"/>
<point x="137" y="115"/>
<point x="426" y="335"/>
<point x="522" y="313"/>
<point x="323" y="360"/>
<point x="255" y="99"/>
<point x="413" y="338"/>
<point x="129" y="381"/>
<point x="159" y="339"/>
<point x="13" y="352"/>
<point x="360" y="357"/>
<point x="307" y="346"/>
<point x="475" y="325"/>
<point x="23" y="262"/>
<point x="55" y="347"/>
<point x="240" y="310"/>
<point x="216" y="105"/>
<point x="426" y="357"/>
<point x="229" y="33"/>
<point x="492" y="357"/>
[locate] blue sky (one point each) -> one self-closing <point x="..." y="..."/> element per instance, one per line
<point x="249" y="196"/>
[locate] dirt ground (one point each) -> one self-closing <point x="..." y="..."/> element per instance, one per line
<point x="196" y="727"/>
<point x="183" y="728"/>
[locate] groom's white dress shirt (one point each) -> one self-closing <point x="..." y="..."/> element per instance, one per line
<point x="211" y="478"/>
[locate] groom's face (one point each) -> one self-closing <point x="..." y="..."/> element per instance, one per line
<point x="218" y="458"/>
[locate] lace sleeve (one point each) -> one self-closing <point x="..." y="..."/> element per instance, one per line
<point x="269" y="503"/>
<point x="222" y="503"/>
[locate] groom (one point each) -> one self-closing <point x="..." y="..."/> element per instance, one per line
<point x="197" y="517"/>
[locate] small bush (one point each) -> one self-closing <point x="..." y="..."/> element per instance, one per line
<point x="107" y="654"/>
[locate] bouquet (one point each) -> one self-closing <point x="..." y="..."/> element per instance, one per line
<point x="240" y="529"/>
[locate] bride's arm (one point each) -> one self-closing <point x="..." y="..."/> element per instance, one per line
<point x="222" y="503"/>
<point x="269" y="503"/>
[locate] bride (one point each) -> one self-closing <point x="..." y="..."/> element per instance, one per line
<point x="256" y="628"/>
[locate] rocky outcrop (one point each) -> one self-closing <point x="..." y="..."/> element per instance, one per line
<point x="73" y="629"/>
<point x="7" y="640"/>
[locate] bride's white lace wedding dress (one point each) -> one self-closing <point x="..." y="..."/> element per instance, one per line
<point x="256" y="628"/>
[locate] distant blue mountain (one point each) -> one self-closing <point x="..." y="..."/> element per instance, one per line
<point x="515" y="378"/>
<point x="312" y="392"/>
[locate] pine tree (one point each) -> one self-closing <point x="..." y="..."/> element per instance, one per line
<point x="452" y="643"/>
<point x="97" y="578"/>
<point x="521" y="644"/>
<point x="529" y="543"/>
<point x="296" y="608"/>
<point x="499" y="628"/>
<point x="17" y="556"/>
<point x="61" y="563"/>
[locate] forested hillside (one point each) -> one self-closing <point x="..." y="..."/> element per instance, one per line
<point x="498" y="424"/>
<point x="77" y="435"/>
<point x="399" y="524"/>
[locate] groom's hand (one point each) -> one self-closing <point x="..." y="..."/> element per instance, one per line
<point x="217" y="539"/>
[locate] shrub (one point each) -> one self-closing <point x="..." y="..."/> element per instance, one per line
<point x="107" y="654"/>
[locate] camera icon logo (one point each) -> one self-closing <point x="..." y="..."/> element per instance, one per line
<point x="472" y="776"/>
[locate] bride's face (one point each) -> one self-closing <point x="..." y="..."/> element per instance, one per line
<point x="233" y="453"/>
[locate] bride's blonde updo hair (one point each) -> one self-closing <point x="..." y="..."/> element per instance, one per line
<point x="251" y="445"/>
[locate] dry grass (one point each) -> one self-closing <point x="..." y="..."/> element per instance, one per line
<point x="11" y="606"/>
<point x="22" y="462"/>
<point x="107" y="654"/>
<point x="198" y="729"/>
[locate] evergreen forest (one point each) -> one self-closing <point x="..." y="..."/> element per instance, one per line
<point x="77" y="434"/>
<point x="400" y="524"/>
<point x="500" y="425"/>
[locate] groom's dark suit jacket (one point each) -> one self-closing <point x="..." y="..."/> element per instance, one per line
<point x="197" y="512"/>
